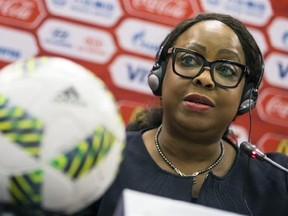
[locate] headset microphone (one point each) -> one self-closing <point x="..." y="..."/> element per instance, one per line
<point x="255" y="153"/>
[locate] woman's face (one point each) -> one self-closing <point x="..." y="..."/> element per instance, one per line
<point x="199" y="104"/>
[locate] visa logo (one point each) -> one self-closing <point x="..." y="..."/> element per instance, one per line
<point x="130" y="72"/>
<point x="276" y="70"/>
<point x="285" y="39"/>
<point x="283" y="71"/>
<point x="139" y="73"/>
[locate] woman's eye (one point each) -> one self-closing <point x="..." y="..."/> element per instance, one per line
<point x="188" y="60"/>
<point x="227" y="70"/>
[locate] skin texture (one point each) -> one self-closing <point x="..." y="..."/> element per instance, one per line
<point x="191" y="134"/>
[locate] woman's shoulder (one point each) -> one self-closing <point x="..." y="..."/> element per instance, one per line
<point x="135" y="136"/>
<point x="134" y="142"/>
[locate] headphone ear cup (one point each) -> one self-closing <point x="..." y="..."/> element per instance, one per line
<point x="155" y="79"/>
<point x="248" y="101"/>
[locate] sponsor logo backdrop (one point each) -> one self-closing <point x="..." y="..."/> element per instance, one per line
<point x="118" y="39"/>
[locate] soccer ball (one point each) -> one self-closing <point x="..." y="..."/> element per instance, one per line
<point x="61" y="135"/>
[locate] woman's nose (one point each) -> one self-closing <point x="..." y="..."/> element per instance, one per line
<point x="204" y="79"/>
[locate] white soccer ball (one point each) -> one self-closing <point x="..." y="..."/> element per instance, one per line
<point x="61" y="135"/>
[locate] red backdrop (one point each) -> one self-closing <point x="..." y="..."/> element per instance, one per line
<point x="117" y="40"/>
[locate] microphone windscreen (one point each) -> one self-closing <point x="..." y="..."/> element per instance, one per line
<point x="247" y="147"/>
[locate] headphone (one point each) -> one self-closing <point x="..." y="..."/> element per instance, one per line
<point x="250" y="92"/>
<point x="156" y="75"/>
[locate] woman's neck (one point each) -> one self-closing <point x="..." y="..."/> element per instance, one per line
<point x="189" y="146"/>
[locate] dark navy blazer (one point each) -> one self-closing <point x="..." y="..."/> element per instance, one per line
<point x="251" y="187"/>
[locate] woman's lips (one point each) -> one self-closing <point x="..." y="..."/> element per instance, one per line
<point x="198" y="103"/>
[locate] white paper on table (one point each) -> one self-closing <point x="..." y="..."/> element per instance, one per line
<point x="141" y="204"/>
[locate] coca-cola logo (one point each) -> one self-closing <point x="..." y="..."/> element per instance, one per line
<point x="278" y="107"/>
<point x="177" y="9"/>
<point x="271" y="142"/>
<point x="273" y="106"/>
<point x="163" y="10"/>
<point x="24" y="13"/>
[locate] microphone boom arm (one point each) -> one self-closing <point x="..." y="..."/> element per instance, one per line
<point x="255" y="153"/>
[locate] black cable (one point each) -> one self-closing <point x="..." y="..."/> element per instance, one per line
<point x="248" y="162"/>
<point x="250" y="118"/>
<point x="244" y="187"/>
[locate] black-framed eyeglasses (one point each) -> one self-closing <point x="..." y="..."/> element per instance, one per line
<point x="224" y="73"/>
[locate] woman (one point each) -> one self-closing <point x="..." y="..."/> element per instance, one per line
<point x="207" y="72"/>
